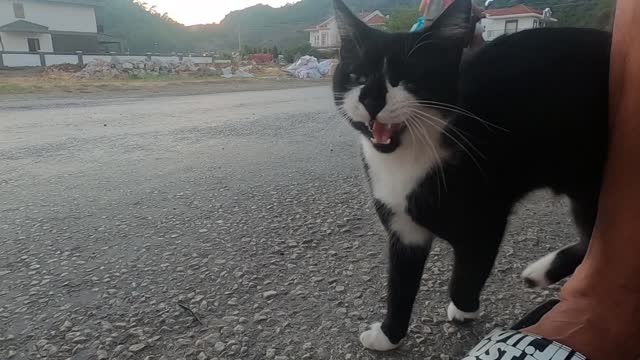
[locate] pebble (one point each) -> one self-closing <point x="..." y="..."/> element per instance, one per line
<point x="219" y="346"/>
<point x="137" y="347"/>
<point x="79" y="339"/>
<point x="271" y="353"/>
<point x="102" y="355"/>
<point x="50" y="349"/>
<point x="238" y="329"/>
<point x="281" y="358"/>
<point x="269" y="294"/>
<point x="41" y="343"/>
<point x="202" y="356"/>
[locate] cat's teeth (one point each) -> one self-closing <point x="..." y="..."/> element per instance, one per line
<point x="388" y="142"/>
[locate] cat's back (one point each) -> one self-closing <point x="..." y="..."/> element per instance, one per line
<point x="548" y="90"/>
<point x="547" y="51"/>
<point x="539" y="76"/>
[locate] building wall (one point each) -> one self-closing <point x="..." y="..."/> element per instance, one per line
<point x="75" y="42"/>
<point x="331" y="35"/>
<point x="18" y="41"/>
<point x="494" y="28"/>
<point x="56" y="16"/>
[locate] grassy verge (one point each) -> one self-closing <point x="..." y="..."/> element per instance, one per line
<point x="67" y="83"/>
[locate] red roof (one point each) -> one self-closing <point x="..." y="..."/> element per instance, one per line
<point x="376" y="20"/>
<point x="514" y="10"/>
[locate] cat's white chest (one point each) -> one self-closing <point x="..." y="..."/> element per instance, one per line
<point x="394" y="177"/>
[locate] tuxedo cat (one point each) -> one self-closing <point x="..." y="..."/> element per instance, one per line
<point x="450" y="145"/>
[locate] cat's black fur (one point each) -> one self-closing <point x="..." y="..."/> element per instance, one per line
<point x="544" y="94"/>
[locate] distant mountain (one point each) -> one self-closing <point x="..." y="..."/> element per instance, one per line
<point x="265" y="26"/>
<point x="262" y="26"/>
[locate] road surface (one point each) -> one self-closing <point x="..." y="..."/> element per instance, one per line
<point x="214" y="226"/>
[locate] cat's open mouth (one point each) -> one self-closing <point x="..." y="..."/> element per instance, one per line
<point x="383" y="134"/>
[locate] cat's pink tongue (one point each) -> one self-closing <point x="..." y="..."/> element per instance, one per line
<point x="382" y="133"/>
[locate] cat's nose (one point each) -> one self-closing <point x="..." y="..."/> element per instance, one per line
<point x="373" y="107"/>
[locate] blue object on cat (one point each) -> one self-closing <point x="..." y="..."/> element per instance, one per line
<point x="417" y="26"/>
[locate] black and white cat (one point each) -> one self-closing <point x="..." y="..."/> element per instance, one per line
<point x="449" y="146"/>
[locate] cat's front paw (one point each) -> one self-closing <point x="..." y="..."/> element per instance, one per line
<point x="375" y="339"/>
<point x="458" y="316"/>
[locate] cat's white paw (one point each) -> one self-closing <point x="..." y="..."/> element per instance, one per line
<point x="535" y="275"/>
<point x="375" y="339"/>
<point x="456" y="315"/>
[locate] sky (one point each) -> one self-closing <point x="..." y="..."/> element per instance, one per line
<point x="191" y="12"/>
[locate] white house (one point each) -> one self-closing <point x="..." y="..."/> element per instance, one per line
<point x="326" y="35"/>
<point x="49" y="25"/>
<point x="498" y="22"/>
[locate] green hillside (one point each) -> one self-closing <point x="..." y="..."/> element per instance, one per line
<point x="262" y="26"/>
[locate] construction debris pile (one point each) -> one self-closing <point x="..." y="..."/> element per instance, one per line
<point x="306" y="68"/>
<point x="116" y="68"/>
<point x="309" y="68"/>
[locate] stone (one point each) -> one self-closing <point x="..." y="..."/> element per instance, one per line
<point x="271" y="353"/>
<point x="202" y="356"/>
<point x="137" y="347"/>
<point x="219" y="346"/>
<point x="102" y="355"/>
<point x="269" y="294"/>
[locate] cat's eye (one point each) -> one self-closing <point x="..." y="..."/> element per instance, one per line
<point x="358" y="79"/>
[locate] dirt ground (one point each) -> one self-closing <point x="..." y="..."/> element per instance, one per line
<point x="37" y="82"/>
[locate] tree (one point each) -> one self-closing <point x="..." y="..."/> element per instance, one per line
<point x="275" y="51"/>
<point x="402" y="19"/>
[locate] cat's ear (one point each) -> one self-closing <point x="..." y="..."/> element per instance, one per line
<point x="455" y="21"/>
<point x="350" y="26"/>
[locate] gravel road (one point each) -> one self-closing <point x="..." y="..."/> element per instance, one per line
<point x="214" y="226"/>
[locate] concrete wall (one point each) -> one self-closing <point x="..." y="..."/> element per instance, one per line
<point x="18" y="41"/>
<point x="20" y="60"/>
<point x="56" y="16"/>
<point x="27" y="59"/>
<point x="59" y="59"/>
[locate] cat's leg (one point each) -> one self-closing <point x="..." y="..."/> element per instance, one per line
<point x="406" y="265"/>
<point x="474" y="260"/>
<point x="561" y="264"/>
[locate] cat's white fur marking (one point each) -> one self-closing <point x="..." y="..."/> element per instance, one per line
<point x="354" y="108"/>
<point x="456" y="315"/>
<point x="394" y="176"/>
<point x="536" y="273"/>
<point x="375" y="339"/>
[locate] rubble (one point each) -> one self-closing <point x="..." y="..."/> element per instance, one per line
<point x="118" y="68"/>
<point x="309" y="68"/>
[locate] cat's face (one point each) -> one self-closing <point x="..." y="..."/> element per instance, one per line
<point x="384" y="80"/>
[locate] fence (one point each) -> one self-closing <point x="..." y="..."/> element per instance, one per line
<point x="9" y="59"/>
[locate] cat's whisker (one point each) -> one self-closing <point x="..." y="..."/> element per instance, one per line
<point x="443" y="130"/>
<point x="418" y="46"/>
<point x="454" y="109"/>
<point x="456" y="130"/>
<point x="417" y="43"/>
<point x="410" y="125"/>
<point x="436" y="155"/>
